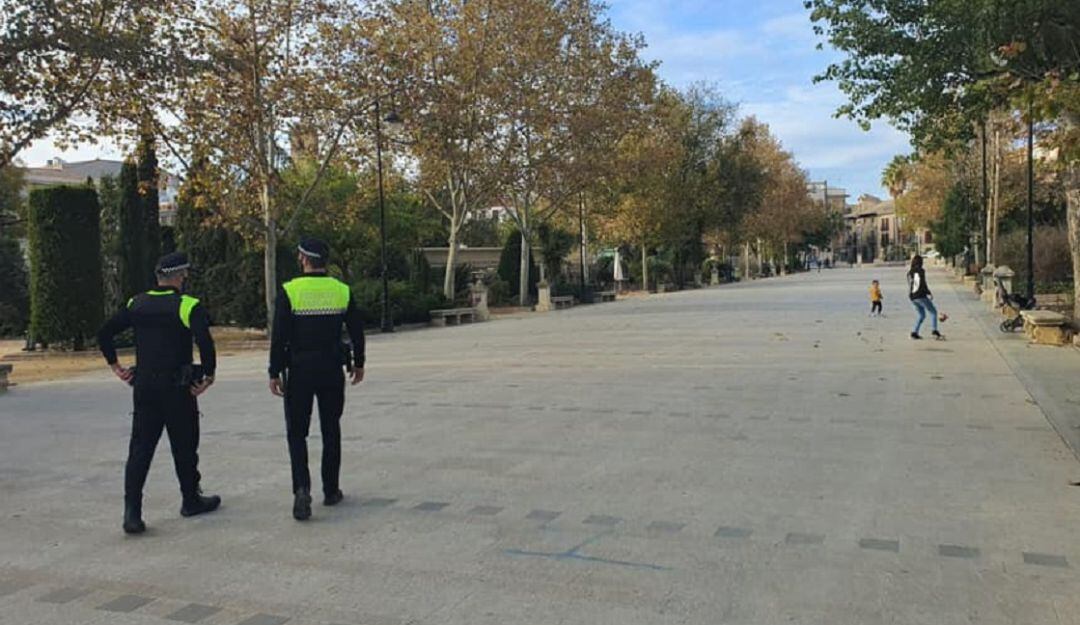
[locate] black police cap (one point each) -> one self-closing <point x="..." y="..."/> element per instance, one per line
<point x="314" y="248"/>
<point x="169" y="263"/>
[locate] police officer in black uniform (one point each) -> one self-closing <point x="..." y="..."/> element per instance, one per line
<point x="165" y="383"/>
<point x="307" y="359"/>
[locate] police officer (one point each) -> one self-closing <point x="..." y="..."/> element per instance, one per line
<point x="307" y="358"/>
<point x="165" y="384"/>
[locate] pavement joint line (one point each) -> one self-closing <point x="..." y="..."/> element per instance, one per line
<point x="485" y="510"/>
<point x="64" y="595"/>
<point x="878" y="544"/>
<point x="733" y="532"/>
<point x="125" y="603"/>
<point x="1045" y="559"/>
<point x="431" y="506"/>
<point x="543" y="515"/>
<point x="264" y="619"/>
<point x="958" y="551"/>
<point x="602" y="519"/>
<point x="193" y="613"/>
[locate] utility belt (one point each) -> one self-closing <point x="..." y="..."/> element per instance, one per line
<point x="181" y="377"/>
<point x="341" y="356"/>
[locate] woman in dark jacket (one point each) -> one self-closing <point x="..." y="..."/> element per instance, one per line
<point x="921" y="297"/>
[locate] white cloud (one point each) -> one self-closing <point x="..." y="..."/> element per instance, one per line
<point x="826" y="146"/>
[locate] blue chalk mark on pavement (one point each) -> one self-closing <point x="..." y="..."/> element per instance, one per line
<point x="574" y="553"/>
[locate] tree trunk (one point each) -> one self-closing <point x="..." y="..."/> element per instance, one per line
<point x="523" y="282"/>
<point x="269" y="254"/>
<point x="451" y="261"/>
<point x="644" y="267"/>
<point x="760" y="261"/>
<point x="1072" y="200"/>
<point x="746" y="261"/>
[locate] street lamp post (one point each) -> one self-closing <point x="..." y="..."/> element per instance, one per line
<point x="1031" y="202"/>
<point x="387" y="324"/>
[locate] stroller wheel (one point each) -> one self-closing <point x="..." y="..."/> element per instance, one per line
<point x="1005" y="327"/>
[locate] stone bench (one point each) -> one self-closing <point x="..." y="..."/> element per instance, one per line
<point x="1045" y="327"/>
<point x="5" y="371"/>
<point x="563" y="301"/>
<point x="606" y="296"/>
<point x="453" y="316"/>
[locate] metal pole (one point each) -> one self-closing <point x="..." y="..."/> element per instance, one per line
<point x="387" y="322"/>
<point x="1031" y="202"/>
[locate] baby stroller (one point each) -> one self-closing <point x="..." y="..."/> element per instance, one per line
<point x="1014" y="302"/>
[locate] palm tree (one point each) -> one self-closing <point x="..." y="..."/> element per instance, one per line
<point x="895" y="175"/>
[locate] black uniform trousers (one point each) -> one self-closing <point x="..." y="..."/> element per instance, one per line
<point x="302" y="388"/>
<point x="162" y="406"/>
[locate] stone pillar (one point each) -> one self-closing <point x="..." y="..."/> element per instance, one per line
<point x="543" y="299"/>
<point x="1006" y="274"/>
<point x="987" y="283"/>
<point x="715" y="277"/>
<point x="479" y="298"/>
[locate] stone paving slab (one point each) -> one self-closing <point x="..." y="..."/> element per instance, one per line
<point x="757" y="453"/>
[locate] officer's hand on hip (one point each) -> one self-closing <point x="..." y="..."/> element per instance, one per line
<point x="276" y="387"/>
<point x="123" y="373"/>
<point x="200" y="387"/>
<point x="357" y="376"/>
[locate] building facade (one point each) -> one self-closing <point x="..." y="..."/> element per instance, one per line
<point x="57" y="171"/>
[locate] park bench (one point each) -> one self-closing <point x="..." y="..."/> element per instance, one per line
<point x="606" y="296"/>
<point x="453" y="316"/>
<point x="5" y="371"/>
<point x="563" y="301"/>
<point x="1045" y="327"/>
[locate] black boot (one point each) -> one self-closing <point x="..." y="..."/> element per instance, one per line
<point x="915" y="336"/>
<point x="199" y="505"/>
<point x="301" y="509"/>
<point x="133" y="523"/>
<point x="334" y="498"/>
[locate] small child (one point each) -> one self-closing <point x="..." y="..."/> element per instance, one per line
<point x="875" y="298"/>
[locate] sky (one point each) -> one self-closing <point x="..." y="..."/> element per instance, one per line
<point x="760" y="54"/>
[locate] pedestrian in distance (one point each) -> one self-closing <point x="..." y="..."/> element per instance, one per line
<point x="922" y="299"/>
<point x="165" y="384"/>
<point x="307" y="362"/>
<point x="875" y="299"/>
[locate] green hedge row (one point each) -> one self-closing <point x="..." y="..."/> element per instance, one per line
<point x="66" y="299"/>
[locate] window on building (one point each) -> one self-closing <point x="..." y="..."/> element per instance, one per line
<point x="928" y="238"/>
<point x="884" y="225"/>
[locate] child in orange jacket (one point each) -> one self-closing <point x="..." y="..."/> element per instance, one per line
<point x="875" y="298"/>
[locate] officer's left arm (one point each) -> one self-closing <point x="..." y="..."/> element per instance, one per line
<point x="200" y="331"/>
<point x="354" y="323"/>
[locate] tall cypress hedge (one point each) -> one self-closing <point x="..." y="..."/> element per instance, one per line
<point x="66" y="298"/>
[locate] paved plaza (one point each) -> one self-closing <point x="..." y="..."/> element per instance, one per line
<point x="755" y="454"/>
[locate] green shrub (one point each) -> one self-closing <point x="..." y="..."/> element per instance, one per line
<point x="14" y="294"/>
<point x="66" y="299"/>
<point x="555" y="244"/>
<point x="510" y="265"/>
<point x="1053" y="261"/>
<point x="500" y="293"/>
<point x="408" y="304"/>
